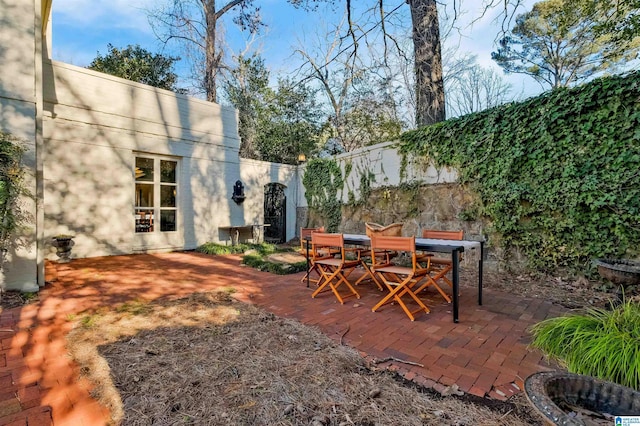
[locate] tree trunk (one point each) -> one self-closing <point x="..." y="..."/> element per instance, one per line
<point x="211" y="56"/>
<point x="428" y="62"/>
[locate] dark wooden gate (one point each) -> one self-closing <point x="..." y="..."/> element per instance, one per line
<point x="275" y="213"/>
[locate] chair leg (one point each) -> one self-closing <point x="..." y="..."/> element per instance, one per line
<point x="431" y="281"/>
<point x="325" y="278"/>
<point x="389" y="297"/>
<point x="308" y="274"/>
<point x="329" y="276"/>
<point x="343" y="280"/>
<point x="368" y="274"/>
<point x="396" y="294"/>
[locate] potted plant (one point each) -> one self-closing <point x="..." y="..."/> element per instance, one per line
<point x="63" y="244"/>
<point x="603" y="343"/>
<point x="600" y="349"/>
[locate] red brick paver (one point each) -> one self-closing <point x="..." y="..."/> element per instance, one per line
<point x="485" y="354"/>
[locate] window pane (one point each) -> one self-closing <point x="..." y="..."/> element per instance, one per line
<point x="144" y="169"/>
<point x="144" y="220"/>
<point x="144" y="195"/>
<point x="168" y="171"/>
<point x="167" y="196"/>
<point x="167" y="220"/>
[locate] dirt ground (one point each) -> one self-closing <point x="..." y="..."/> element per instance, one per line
<point x="210" y="360"/>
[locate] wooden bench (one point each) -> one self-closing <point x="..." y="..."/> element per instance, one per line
<point x="256" y="229"/>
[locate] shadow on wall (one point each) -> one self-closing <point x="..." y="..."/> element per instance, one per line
<point x="90" y="156"/>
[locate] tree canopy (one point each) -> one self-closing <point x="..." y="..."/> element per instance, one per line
<point x="565" y="42"/>
<point x="137" y="64"/>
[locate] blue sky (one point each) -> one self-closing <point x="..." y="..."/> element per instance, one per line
<point x="82" y="28"/>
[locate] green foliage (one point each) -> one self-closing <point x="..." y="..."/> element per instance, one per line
<point x="12" y="187"/>
<point x="561" y="42"/>
<point x="600" y="343"/>
<point x="557" y="175"/>
<point x="274" y="125"/>
<point x="290" y="124"/>
<point x="220" y="249"/>
<point x="323" y="183"/>
<point x="256" y="256"/>
<point x="137" y="64"/>
<point x="368" y="122"/>
<point x="247" y="88"/>
<point x="258" y="261"/>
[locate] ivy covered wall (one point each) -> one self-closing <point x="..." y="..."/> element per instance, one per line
<point x="558" y="176"/>
<point x="553" y="181"/>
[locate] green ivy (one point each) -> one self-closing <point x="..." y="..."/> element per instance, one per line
<point x="13" y="217"/>
<point x="558" y="175"/>
<point x="404" y="164"/>
<point x="323" y="183"/>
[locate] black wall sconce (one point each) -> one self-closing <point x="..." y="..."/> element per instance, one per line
<point x="238" y="192"/>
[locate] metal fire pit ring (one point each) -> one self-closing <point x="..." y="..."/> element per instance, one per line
<point x="619" y="271"/>
<point x="549" y="391"/>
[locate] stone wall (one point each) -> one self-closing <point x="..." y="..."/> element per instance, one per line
<point x="439" y="206"/>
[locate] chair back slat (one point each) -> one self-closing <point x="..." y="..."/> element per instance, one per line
<point x="442" y="235"/>
<point x="306" y="233"/>
<point x="319" y="239"/>
<point x="385" y="242"/>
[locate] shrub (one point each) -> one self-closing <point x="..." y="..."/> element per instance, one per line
<point x="219" y="249"/>
<point x="256" y="256"/>
<point x="600" y="343"/>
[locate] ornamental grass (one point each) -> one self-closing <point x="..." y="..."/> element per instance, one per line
<point x="599" y="342"/>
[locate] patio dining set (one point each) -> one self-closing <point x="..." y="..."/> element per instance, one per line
<point x="403" y="266"/>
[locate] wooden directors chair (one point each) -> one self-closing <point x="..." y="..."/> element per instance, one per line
<point x="305" y="233"/>
<point x="440" y="266"/>
<point x="334" y="270"/>
<point x="400" y="280"/>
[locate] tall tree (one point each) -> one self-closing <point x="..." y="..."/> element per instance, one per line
<point x="563" y="42"/>
<point x="194" y="23"/>
<point x="475" y="89"/>
<point x="137" y="64"/>
<point x="426" y="37"/>
<point x="360" y="110"/>
<point x="290" y="123"/>
<point x="247" y="88"/>
<point x="429" y="88"/>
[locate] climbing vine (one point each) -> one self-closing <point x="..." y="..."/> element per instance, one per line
<point x="12" y="187"/>
<point x="323" y="183"/>
<point x="558" y="175"/>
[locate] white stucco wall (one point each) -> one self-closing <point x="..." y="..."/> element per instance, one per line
<point x="384" y="163"/>
<point x="95" y="125"/>
<point x="20" y="51"/>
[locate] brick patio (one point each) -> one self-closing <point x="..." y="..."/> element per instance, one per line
<point x="485" y="354"/>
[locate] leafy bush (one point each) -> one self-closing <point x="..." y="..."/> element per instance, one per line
<point x="220" y="249"/>
<point x="600" y="343"/>
<point x="259" y="262"/>
<point x="557" y="175"/>
<point x="256" y="256"/>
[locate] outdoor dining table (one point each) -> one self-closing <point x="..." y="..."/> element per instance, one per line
<point x="455" y="247"/>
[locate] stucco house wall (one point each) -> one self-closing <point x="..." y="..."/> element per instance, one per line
<point x="94" y="127"/>
<point x="20" y="53"/>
